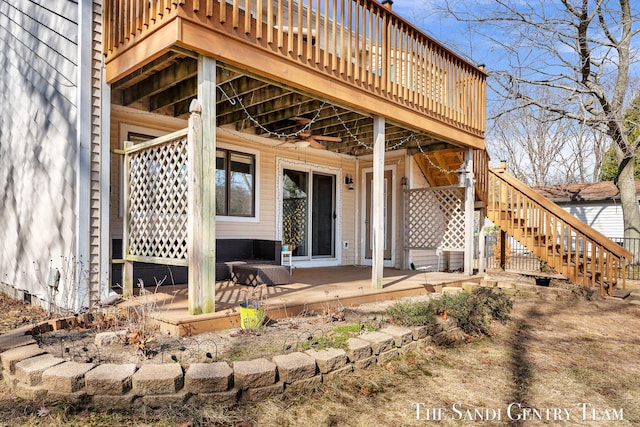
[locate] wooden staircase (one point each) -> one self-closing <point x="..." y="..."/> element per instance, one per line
<point x="567" y="245"/>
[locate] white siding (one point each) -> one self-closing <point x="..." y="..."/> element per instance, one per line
<point x="606" y="217"/>
<point x="37" y="144"/>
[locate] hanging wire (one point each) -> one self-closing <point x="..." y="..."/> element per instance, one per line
<point x="402" y="142"/>
<point x="231" y="101"/>
<point x="364" y="144"/>
<point x="236" y="99"/>
<point x="426" y="155"/>
<point x="344" y="125"/>
<point x="306" y="127"/>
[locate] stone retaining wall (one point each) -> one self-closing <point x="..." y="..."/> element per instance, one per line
<point x="33" y="374"/>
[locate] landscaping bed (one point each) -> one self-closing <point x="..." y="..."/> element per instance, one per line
<point x="558" y="350"/>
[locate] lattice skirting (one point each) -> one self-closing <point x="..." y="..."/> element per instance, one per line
<point x="435" y="218"/>
<point x="158" y="190"/>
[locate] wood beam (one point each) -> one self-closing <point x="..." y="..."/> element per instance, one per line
<point x="160" y="81"/>
<point x="145" y="71"/>
<point x="182" y="91"/>
<point x="259" y="103"/>
<point x="277" y="114"/>
<point x="181" y="108"/>
<point x="202" y="218"/>
<point x="278" y="68"/>
<point x="195" y="220"/>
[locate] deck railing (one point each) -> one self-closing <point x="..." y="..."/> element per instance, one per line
<point x="481" y="174"/>
<point x="358" y="42"/>
<point x="562" y="241"/>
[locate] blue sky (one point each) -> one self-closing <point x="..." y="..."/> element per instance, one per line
<point x="459" y="38"/>
<point x="445" y="29"/>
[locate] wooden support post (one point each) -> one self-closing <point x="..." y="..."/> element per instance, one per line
<point x="377" y="214"/>
<point x="202" y="158"/>
<point x="127" y="267"/>
<point x="469" y="202"/>
<point x="503" y="249"/>
<point x="404" y="185"/>
<point x="482" y="254"/>
<point x="207" y="95"/>
<point x="194" y="232"/>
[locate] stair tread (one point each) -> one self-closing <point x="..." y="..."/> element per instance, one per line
<point x="620" y="293"/>
<point x="553" y="238"/>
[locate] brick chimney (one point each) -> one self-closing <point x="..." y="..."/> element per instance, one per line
<point x="387" y="3"/>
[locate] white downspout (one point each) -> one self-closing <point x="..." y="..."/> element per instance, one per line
<point x="105" y="184"/>
<point x="83" y="159"/>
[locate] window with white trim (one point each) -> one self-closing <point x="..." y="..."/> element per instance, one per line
<point x="235" y="183"/>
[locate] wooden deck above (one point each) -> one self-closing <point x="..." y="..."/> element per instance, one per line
<point x="338" y="62"/>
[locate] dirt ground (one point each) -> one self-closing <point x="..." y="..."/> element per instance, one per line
<point x="560" y="360"/>
<point x="140" y="342"/>
<point x="14" y="314"/>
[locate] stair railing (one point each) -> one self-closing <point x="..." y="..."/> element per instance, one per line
<point x="566" y="244"/>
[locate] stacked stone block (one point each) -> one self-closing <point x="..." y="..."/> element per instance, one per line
<point x="32" y="373"/>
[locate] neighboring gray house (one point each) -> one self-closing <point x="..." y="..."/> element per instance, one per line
<point x="51" y="179"/>
<point x="596" y="204"/>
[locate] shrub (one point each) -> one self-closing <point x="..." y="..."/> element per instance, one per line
<point x="472" y="317"/>
<point x="473" y="311"/>
<point x="498" y="303"/>
<point x="583" y="293"/>
<point x="412" y="314"/>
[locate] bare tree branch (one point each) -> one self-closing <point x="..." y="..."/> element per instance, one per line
<point x="582" y="51"/>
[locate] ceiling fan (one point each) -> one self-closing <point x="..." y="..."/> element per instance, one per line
<point x="306" y="139"/>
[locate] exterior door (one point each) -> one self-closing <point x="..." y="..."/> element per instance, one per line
<point x="323" y="216"/>
<point x="309" y="214"/>
<point x="388" y="216"/>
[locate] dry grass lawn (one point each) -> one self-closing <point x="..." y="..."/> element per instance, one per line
<point x="559" y="357"/>
<point x="557" y="353"/>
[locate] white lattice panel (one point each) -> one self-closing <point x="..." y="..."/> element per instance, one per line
<point x="158" y="201"/>
<point x="435" y="217"/>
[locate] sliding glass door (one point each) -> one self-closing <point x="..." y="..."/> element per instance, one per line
<point x="309" y="213"/>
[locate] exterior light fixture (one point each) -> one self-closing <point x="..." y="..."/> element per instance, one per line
<point x="348" y="181"/>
